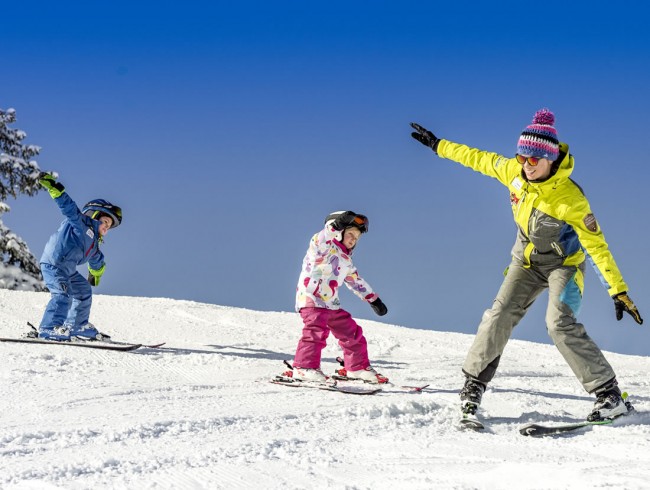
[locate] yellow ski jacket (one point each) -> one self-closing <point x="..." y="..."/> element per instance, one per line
<point x="554" y="220"/>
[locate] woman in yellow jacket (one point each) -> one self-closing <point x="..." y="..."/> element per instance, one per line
<point x="556" y="231"/>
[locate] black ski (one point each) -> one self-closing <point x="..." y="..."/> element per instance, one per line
<point x="89" y="345"/>
<point x="471" y="422"/>
<point x="468" y="419"/>
<point x="538" y="430"/>
<point x="115" y="342"/>
<point x="33" y="334"/>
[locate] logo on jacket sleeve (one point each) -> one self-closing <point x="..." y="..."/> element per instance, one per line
<point x="591" y="223"/>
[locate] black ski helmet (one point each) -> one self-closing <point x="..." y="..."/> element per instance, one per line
<point x="98" y="207"/>
<point x="360" y="221"/>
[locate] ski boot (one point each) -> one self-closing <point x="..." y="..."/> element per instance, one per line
<point x="61" y="333"/>
<point x="368" y="375"/>
<point x="88" y="332"/>
<point x="470" y="397"/>
<point x="472" y="392"/>
<point x="307" y="374"/>
<point x="610" y="403"/>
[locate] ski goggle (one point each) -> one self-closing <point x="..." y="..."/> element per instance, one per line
<point x="361" y="222"/>
<point x="532" y="161"/>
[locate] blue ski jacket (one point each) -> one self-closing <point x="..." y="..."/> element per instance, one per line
<point x="75" y="242"/>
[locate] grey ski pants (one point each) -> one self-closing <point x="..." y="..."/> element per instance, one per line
<point x="519" y="290"/>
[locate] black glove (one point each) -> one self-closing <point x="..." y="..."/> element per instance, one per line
<point x="379" y="307"/>
<point x="344" y="220"/>
<point x="622" y="302"/>
<point x="424" y="136"/>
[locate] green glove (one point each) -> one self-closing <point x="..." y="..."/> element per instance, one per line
<point x="95" y="275"/>
<point x="53" y="187"/>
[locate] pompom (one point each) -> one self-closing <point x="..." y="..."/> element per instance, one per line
<point x="544" y="116"/>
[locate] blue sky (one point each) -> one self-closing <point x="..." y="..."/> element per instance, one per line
<point x="228" y="131"/>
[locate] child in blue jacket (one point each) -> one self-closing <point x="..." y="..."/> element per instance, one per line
<point x="76" y="242"/>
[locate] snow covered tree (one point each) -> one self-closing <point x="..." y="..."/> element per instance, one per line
<point x="18" y="175"/>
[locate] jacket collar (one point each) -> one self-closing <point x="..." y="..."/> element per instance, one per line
<point x="342" y="247"/>
<point x="562" y="169"/>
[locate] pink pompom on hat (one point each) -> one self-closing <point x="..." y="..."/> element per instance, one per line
<point x="540" y="138"/>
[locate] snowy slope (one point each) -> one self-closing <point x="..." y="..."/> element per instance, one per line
<point x="200" y="414"/>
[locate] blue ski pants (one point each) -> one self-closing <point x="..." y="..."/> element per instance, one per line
<point x="71" y="299"/>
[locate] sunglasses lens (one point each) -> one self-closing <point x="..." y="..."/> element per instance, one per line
<point x="532" y="161"/>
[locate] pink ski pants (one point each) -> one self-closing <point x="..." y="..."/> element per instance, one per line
<point x="318" y="324"/>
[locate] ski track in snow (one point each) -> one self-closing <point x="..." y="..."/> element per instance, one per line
<point x="200" y="413"/>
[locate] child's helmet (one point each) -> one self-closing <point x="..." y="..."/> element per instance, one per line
<point x="348" y="219"/>
<point x="98" y="207"/>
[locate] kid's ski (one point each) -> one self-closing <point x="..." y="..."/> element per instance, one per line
<point x="287" y="379"/>
<point x="115" y="342"/>
<point x="342" y="375"/>
<point x="33" y="334"/>
<point x="363" y="382"/>
<point x="350" y="390"/>
<point x="90" y="345"/>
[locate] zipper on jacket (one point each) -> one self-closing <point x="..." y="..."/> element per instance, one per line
<point x="558" y="249"/>
<point x="90" y="248"/>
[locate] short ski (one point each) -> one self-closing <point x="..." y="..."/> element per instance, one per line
<point x="115" y="342"/>
<point x="287" y="379"/>
<point x="363" y="382"/>
<point x="90" y="345"/>
<point x="33" y="334"/>
<point x="351" y="390"/>
<point x="341" y="375"/>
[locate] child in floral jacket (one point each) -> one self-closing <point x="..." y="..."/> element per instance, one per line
<point x="326" y="266"/>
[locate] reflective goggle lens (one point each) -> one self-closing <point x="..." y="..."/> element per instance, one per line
<point x="361" y="221"/>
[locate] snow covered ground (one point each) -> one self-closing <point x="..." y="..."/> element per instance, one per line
<point x="201" y="414"/>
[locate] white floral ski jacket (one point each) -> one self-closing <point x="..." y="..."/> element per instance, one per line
<point x="325" y="267"/>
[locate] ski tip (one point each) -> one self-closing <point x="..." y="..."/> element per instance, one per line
<point x="472" y="424"/>
<point x="529" y="430"/>
<point x="154" y="346"/>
